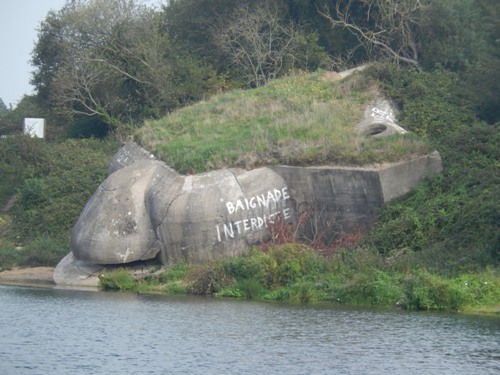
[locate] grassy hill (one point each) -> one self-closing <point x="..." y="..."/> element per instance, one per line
<point x="304" y="119"/>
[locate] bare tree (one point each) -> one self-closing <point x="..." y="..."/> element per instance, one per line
<point x="393" y="26"/>
<point x="258" y="42"/>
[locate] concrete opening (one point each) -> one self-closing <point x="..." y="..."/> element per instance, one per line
<point x="375" y="129"/>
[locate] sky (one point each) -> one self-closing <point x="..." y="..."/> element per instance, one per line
<point x="19" y="22"/>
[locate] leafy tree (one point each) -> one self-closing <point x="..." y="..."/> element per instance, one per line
<point x="5" y="124"/>
<point x="108" y="59"/>
<point x="454" y="36"/>
<point x="462" y="36"/>
<point x="3" y="107"/>
<point x="190" y="23"/>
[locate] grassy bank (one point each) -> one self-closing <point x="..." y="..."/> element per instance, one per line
<point x="296" y="273"/>
<point x="436" y="248"/>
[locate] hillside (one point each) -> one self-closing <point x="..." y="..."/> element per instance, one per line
<point x="302" y="119"/>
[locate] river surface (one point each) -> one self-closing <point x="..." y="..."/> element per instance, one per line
<point x="55" y="331"/>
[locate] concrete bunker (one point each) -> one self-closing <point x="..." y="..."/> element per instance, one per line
<point x="147" y="211"/>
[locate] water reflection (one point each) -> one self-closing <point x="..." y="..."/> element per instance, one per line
<point x="50" y="331"/>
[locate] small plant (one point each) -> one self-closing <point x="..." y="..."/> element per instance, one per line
<point x="174" y="272"/>
<point x="118" y="280"/>
<point x="208" y="279"/>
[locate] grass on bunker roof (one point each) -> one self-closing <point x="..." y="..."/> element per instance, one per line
<point x="303" y="119"/>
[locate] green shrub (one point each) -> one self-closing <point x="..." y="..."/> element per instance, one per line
<point x="43" y="251"/>
<point x="251" y="288"/>
<point x="58" y="185"/>
<point x="305" y="292"/>
<point x="208" y="279"/>
<point x="174" y="272"/>
<point x="119" y="280"/>
<point x="230" y="292"/>
<point x="426" y="291"/>
<point x="457" y="212"/>
<point x="292" y="262"/>
<point x="9" y="255"/>
<point x="246" y="267"/>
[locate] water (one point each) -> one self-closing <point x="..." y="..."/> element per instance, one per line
<point x="51" y="331"/>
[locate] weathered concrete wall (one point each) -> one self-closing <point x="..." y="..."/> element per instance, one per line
<point x="346" y="199"/>
<point x="146" y="210"/>
<point x="339" y="199"/>
<point x="115" y="226"/>
<point x="216" y="214"/>
<point x="398" y="179"/>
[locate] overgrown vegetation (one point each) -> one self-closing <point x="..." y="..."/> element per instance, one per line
<point x="298" y="274"/>
<point x="303" y="119"/>
<point x="453" y="217"/>
<point x="49" y="184"/>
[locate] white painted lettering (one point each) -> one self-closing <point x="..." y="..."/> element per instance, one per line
<point x="270" y="200"/>
<point x="237" y="223"/>
<point x="229" y="231"/>
<point x="260" y="222"/>
<point x="218" y="233"/>
<point x="270" y="196"/>
<point x="285" y="193"/>
<point x="270" y="219"/>
<point x="261" y="200"/>
<point x="252" y="202"/>
<point x="246" y="225"/>
<point x="253" y="222"/>
<point x="230" y="207"/>
<point x="239" y="205"/>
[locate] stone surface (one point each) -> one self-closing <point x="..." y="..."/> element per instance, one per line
<point x="127" y="155"/>
<point x="75" y="272"/>
<point x="115" y="226"/>
<point x="217" y="214"/>
<point x="342" y="200"/>
<point x="146" y="210"/>
<point x="397" y="179"/>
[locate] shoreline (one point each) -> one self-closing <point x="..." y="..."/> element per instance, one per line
<point x="33" y="276"/>
<point x="42" y="277"/>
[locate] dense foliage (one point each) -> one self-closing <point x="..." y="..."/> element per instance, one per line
<point x="52" y="184"/>
<point x="296" y="273"/>
<point x="121" y="61"/>
<point x="453" y="217"/>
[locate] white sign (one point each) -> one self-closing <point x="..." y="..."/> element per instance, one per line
<point x="35" y="127"/>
